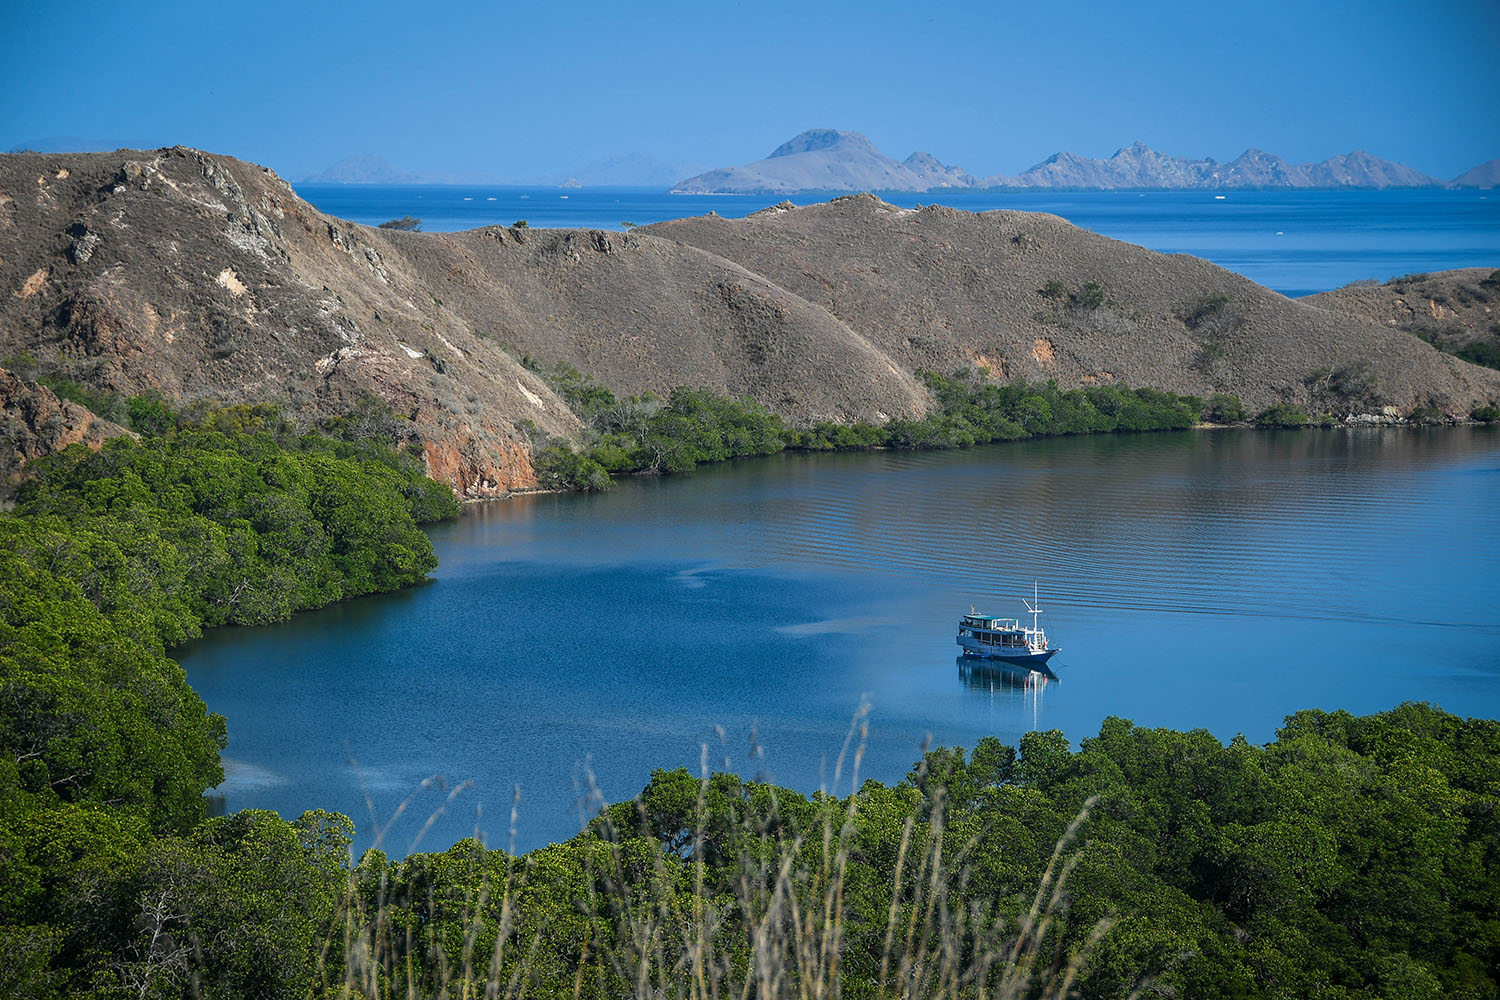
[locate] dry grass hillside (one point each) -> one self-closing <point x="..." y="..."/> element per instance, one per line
<point x="204" y="277"/>
<point x="1449" y="309"/>
<point x="1033" y="296"/>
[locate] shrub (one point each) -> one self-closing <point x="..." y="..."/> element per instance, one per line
<point x="559" y="467"/>
<point x="1426" y="415"/>
<point x="1281" y="415"/>
<point x="104" y="403"/>
<point x="1480" y="352"/>
<point x="520" y="224"/>
<point x="1223" y="408"/>
<point x="1208" y="308"/>
<point x="1089" y="297"/>
<point x="1348" y="387"/>
<point x="405" y="224"/>
<point x="1485" y="414"/>
<point x="150" y="414"/>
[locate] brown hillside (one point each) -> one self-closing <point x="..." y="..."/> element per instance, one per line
<point x="205" y="277"/>
<point x="938" y="288"/>
<point x="1446" y="308"/>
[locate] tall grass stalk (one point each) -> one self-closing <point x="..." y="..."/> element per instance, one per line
<point x="771" y="920"/>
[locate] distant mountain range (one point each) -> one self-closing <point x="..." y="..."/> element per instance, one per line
<point x="828" y="159"/>
<point x="833" y="160"/>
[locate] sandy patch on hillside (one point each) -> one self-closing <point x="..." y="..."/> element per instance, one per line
<point x="33" y="284"/>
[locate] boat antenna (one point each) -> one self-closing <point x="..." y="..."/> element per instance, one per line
<point x="1034" y="605"/>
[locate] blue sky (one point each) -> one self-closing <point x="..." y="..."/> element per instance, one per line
<point x="520" y="90"/>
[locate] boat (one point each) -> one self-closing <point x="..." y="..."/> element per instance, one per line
<point x="989" y="637"/>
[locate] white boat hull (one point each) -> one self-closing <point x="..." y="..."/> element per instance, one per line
<point x="982" y="651"/>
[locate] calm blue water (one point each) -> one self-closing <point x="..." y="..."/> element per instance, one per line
<point x="1296" y="242"/>
<point x="1199" y="579"/>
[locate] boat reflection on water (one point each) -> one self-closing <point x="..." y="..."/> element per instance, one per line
<point x="1008" y="681"/>
<point x="996" y="675"/>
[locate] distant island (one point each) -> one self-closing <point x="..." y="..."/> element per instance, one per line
<point x="832" y="160"/>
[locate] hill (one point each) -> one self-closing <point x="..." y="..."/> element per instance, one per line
<point x="827" y="159"/>
<point x="1030" y="295"/>
<point x="1455" y="311"/>
<point x="201" y="276"/>
<point x="1486" y="175"/>
<point x="204" y="277"/>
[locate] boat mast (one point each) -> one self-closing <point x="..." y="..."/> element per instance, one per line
<point x="1034" y="605"/>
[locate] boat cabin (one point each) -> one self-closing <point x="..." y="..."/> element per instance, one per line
<point x="990" y="622"/>
<point x="991" y="631"/>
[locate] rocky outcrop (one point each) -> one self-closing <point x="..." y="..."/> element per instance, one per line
<point x="35" y="423"/>
<point x="205" y="277"/>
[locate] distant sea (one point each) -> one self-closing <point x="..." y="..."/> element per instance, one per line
<point x="1296" y="242"/>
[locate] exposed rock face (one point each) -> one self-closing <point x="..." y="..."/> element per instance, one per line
<point x="1446" y="308"/>
<point x="938" y="288"/>
<point x="827" y="159"/>
<point x="35" y="423"/>
<point x="205" y="277"/>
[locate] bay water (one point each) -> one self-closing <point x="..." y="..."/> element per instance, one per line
<point x="741" y="615"/>
<point x="1295" y="242"/>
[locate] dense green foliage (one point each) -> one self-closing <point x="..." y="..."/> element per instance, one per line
<point x="695" y="426"/>
<point x="1351" y="858"/>
<point x="1222" y="408"/>
<point x="1480" y="352"/>
<point x="109" y="881"/>
<point x="973" y="410"/>
<point x="1282" y="415"/>
<point x="1486" y="414"/>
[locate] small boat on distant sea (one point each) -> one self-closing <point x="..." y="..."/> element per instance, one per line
<point x="990" y="638"/>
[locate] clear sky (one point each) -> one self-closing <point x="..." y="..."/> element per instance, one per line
<point x="524" y="89"/>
